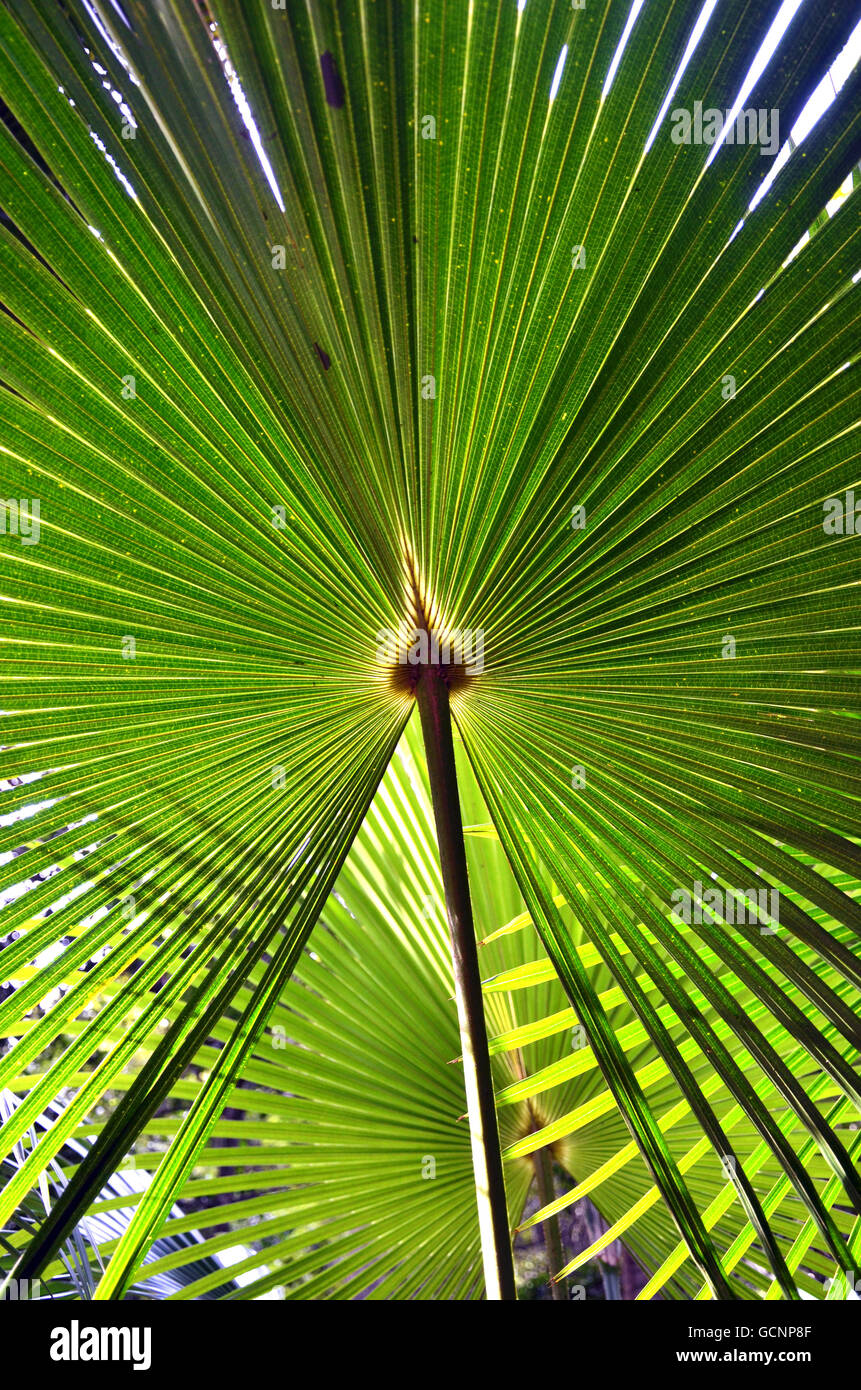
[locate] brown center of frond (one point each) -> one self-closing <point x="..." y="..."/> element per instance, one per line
<point x="423" y="641"/>
<point x="458" y="658"/>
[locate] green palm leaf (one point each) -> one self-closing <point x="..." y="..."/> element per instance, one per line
<point x="263" y="426"/>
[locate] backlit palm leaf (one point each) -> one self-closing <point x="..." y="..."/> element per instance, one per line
<point x="261" y="427"/>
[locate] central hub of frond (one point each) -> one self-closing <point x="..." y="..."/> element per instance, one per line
<point x="426" y="640"/>
<point x="457" y="654"/>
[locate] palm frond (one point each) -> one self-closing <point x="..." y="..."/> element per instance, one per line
<point x="271" y="409"/>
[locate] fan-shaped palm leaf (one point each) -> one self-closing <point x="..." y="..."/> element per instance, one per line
<point x="267" y="416"/>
